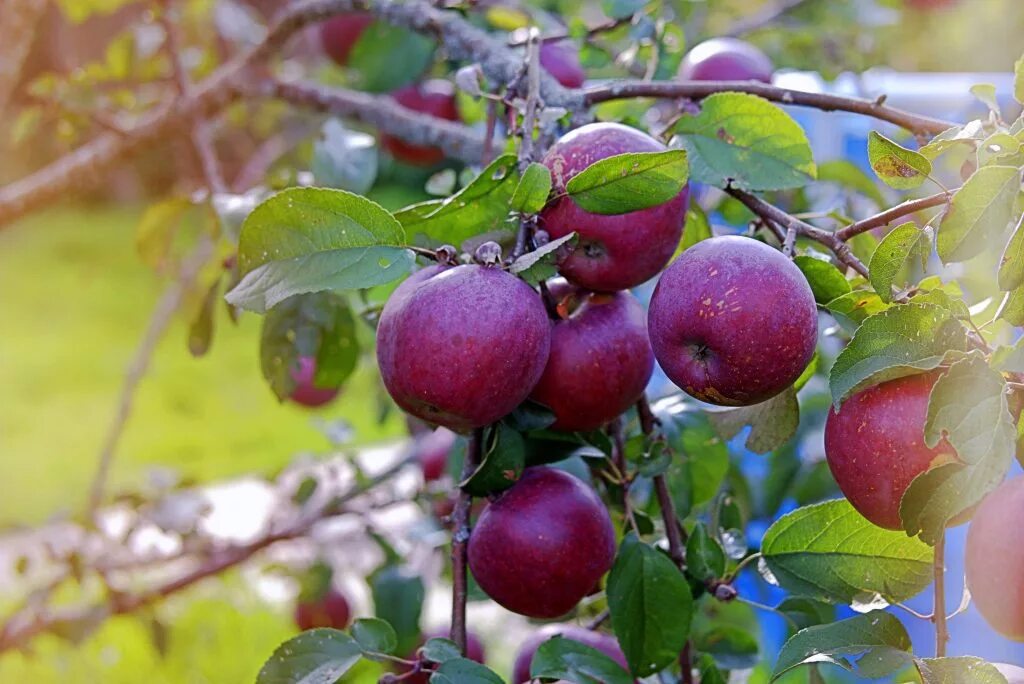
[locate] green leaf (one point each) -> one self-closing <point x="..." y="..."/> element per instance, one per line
<point x="480" y="207"/>
<point x="502" y="464"/>
<point x="897" y="166"/>
<point x="1012" y="310"/>
<point x="312" y="239"/>
<point x="709" y="672"/>
<point x="979" y="212"/>
<point x="891" y="254"/>
<point x="879" y="638"/>
<point x="697" y="228"/>
<point x="534" y="187"/>
<point x="986" y="93"/>
<point x="319" y="326"/>
<point x="958" y="670"/>
<point x="464" y="671"/>
<point x="561" y="658"/>
<point x="731" y="647"/>
<point x="200" y="329"/>
<point x="1009" y="359"/>
<point x="803" y="612"/>
<point x="629" y="182"/>
<point x="539" y="264"/>
<point x="387" y="57"/>
<point x="1011" y="265"/>
<point x="317" y="656"/>
<point x="968" y="134"/>
<point x="772" y="422"/>
<point x="398" y="600"/>
<point x="852" y="308"/>
<point x="746" y="142"/>
<point x="438" y="650"/>
<point x="705" y="558"/>
<point x="651" y="606"/>
<point x="157" y="228"/>
<point x="999" y="147"/>
<point x="375" y="636"/>
<point x="1018" y="80"/>
<point x="849" y="175"/>
<point x="621" y="9"/>
<point x="899" y="341"/>
<point x="830" y="552"/>
<point x="967" y="407"/>
<point x="696" y="475"/>
<point x="826" y="281"/>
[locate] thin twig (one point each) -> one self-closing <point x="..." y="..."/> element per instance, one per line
<point x="599" y="619"/>
<point x="17" y="30"/>
<point x="765" y="16"/>
<point x="460" y="542"/>
<point x="939" y="607"/>
<point x="889" y="215"/>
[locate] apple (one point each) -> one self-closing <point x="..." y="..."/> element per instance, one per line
<point x="436" y="98"/>
<point x="432" y="453"/>
<point x="614" y="252"/>
<point x="732" y="321"/>
<point x="464" y="346"/>
<point x="562" y="61"/>
<point x="600" y="359"/>
<point x="605" y="643"/>
<point x="928" y="5"/>
<point x="542" y="544"/>
<point x="995" y="559"/>
<point x="306" y="392"/>
<point x="330" y="610"/>
<point x="339" y="34"/>
<point x="875" y="445"/>
<point x="474" y="651"/>
<point x="726" y="59"/>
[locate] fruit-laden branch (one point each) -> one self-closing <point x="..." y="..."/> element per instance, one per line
<point x="16" y="33"/>
<point x="698" y="90"/>
<point x="21" y="628"/>
<point x="889" y="215"/>
<point x="770" y="212"/>
<point x="382" y="112"/>
<point x="460" y="543"/>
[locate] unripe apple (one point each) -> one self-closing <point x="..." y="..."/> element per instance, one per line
<point x="432" y="452"/>
<point x="995" y="559"/>
<point x="436" y="98"/>
<point x="562" y="61"/>
<point x="605" y="643"/>
<point x="875" y="445"/>
<point x="726" y="59"/>
<point x="542" y="544"/>
<point x="339" y="34"/>
<point x="330" y="610"/>
<point x="733" y="321"/>
<point x="306" y="393"/>
<point x="474" y="651"/>
<point x="463" y="347"/>
<point x="613" y="252"/>
<point x="600" y="358"/>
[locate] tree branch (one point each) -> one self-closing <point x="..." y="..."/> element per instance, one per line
<point x="698" y="90"/>
<point x="460" y="543"/>
<point x="939" y="608"/>
<point x="763" y="17"/>
<point x="17" y="30"/>
<point x="890" y="215"/>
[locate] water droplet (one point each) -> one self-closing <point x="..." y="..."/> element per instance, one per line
<point x="867" y="601"/>
<point x="735" y="543"/>
<point x="766" y="572"/>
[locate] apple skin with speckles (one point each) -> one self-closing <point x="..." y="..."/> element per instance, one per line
<point x="600" y="361"/>
<point x="875" y="445"/>
<point x="306" y="392"/>
<point x="605" y="643"/>
<point x="995" y="559"/>
<point x="726" y="59"/>
<point x="562" y="61"/>
<point x="543" y="544"/>
<point x="338" y="35"/>
<point x="462" y="347"/>
<point x="613" y="252"/>
<point x="732" y="321"/>
<point x="435" y="98"/>
<point x="330" y="610"/>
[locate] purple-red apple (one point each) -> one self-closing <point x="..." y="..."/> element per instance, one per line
<point x="995" y="559"/>
<point x="474" y="651"/>
<point x="733" y="321"/>
<point x="875" y="445"/>
<point x="339" y="34"/>
<point x="562" y="61"/>
<point x="600" y="359"/>
<point x="605" y="643"/>
<point x="435" y="98"/>
<point x="432" y="453"/>
<point x="614" y="252"/>
<point x="330" y="610"/>
<point x="463" y="347"/>
<point x="542" y="544"/>
<point x="726" y="59"/>
<point x="306" y="392"/>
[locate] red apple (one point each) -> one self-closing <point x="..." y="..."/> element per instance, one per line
<point x="435" y="98"/>
<point x="331" y="610"/>
<point x="875" y="445"/>
<point x="928" y="5"/>
<point x="562" y="60"/>
<point x="542" y="544"/>
<point x="605" y="643"/>
<point x="474" y="651"/>
<point x="614" y="252"/>
<point x="306" y="392"/>
<point x="432" y="452"/>
<point x="726" y="59"/>
<point x="995" y="559"/>
<point x="339" y="34"/>
<point x="464" y="347"/>
<point x="733" y="321"/>
<point x="600" y="358"/>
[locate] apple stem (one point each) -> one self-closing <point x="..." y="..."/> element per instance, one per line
<point x="686" y="665"/>
<point x="939" y="610"/>
<point x="460" y="543"/>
